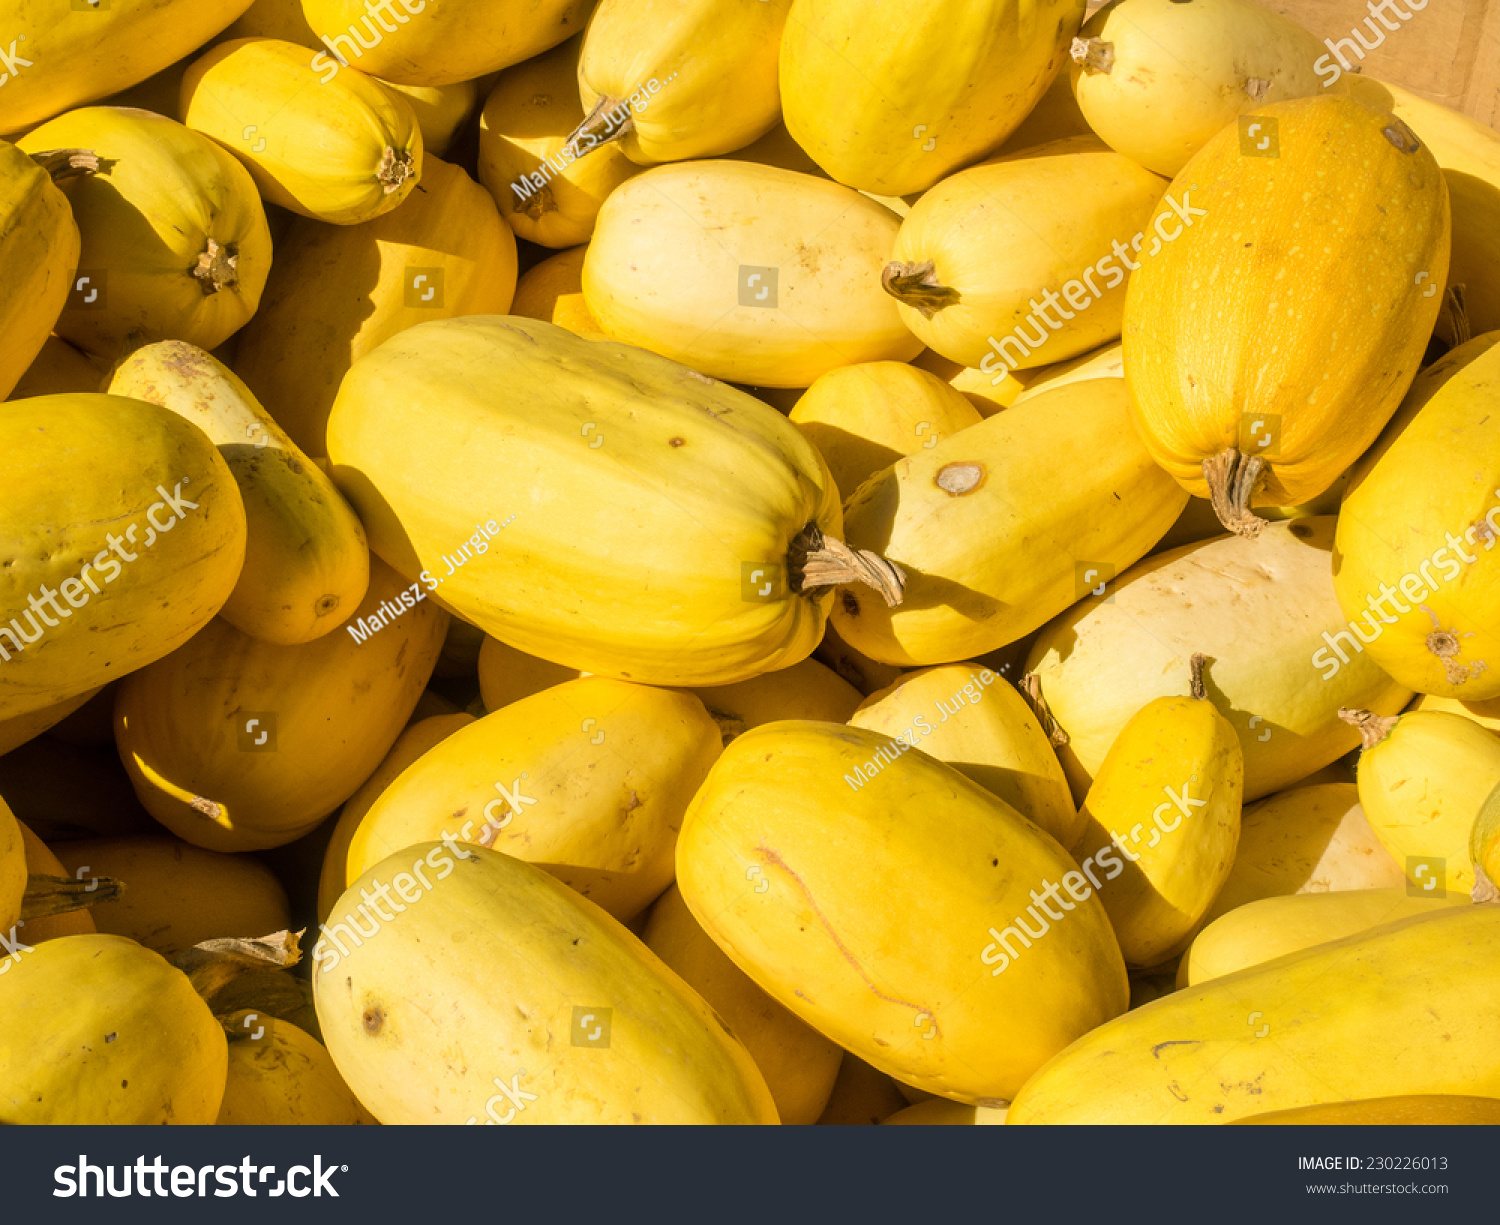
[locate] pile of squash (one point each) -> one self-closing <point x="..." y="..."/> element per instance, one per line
<point x="724" y="561"/>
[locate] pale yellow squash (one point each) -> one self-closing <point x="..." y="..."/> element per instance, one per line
<point x="746" y="272"/>
<point x="806" y="690"/>
<point x="552" y="291"/>
<point x="1430" y="1110"/>
<point x="281" y="1076"/>
<point x="1104" y="363"/>
<point x="891" y="102"/>
<point x="1484" y="849"/>
<point x="1056" y="116"/>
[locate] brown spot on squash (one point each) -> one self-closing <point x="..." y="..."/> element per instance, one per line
<point x="374" y="1020"/>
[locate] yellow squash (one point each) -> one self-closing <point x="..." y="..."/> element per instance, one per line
<point x="345" y="151"/>
<point x="174" y="235"/>
<point x="865" y="674"/>
<point x="555" y="1012"/>
<point x="1484" y="850"/>
<point x="1311" y="839"/>
<point x="59" y="369"/>
<point x="1158" y="78"/>
<point x="437" y="42"/>
<point x="996" y="536"/>
<point x="1486" y="714"/>
<point x="1056" y="116"/>
<point x="865" y="417"/>
<point x="1104" y="363"/>
<point x="307" y="565"/>
<point x="746" y="272"/>
<point x="861" y="1096"/>
<point x="1423" y="778"/>
<point x="13" y="869"/>
<point x="543" y="185"/>
<point x="560" y="456"/>
<point x="280" y="1076"/>
<point x="236" y="745"/>
<point x="1414" y="560"/>
<point x="942" y="1113"/>
<point x="800" y="1065"/>
<point x="1411" y="1007"/>
<point x="441" y="110"/>
<point x="178" y="895"/>
<point x="552" y="291"/>
<point x="1263" y="612"/>
<point x="975" y="721"/>
<point x="588" y="780"/>
<point x="1267" y="403"/>
<point x="123" y="534"/>
<point x="70" y="54"/>
<point x="776" y="860"/>
<point x="1423" y="1109"/>
<point x="40" y="861"/>
<point x="507" y="675"/>
<point x="1176" y="763"/>
<point x="1268" y="928"/>
<point x="1008" y="265"/>
<point x="894" y="100"/>
<point x="273" y="19"/>
<point x="444" y="253"/>
<point x="39" y="247"/>
<point x="806" y="690"/>
<point x="98" y="1030"/>
<point x="677" y="79"/>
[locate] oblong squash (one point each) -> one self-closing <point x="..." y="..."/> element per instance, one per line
<point x="800" y="1065"/>
<point x="39" y="245"/>
<point x="444" y="253"/>
<point x="195" y="729"/>
<point x="1419" y="1109"/>
<point x="1158" y="78"/>
<point x="1484" y="849"/>
<point x="173" y="232"/>
<point x="977" y="252"/>
<point x="75" y="54"/>
<point x="1416" y="531"/>
<point x="806" y="690"/>
<point x="1411" y="1007"/>
<point x="587" y="780"/>
<point x="865" y="417"/>
<point x="552" y="291"/>
<point x="307" y="564"/>
<point x="978" y="521"/>
<point x="280" y="1075"/>
<point x="1486" y="714"/>
<point x="582" y="453"/>
<point x="1102" y="363"/>
<point x="165" y="1062"/>
<point x="895" y="103"/>
<point x="545" y="188"/>
<point x="1423" y="778"/>
<point x="1263" y="612"/>
<point x="746" y="272"/>
<point x="775" y="861"/>
<point x="1291" y="382"/>
<point x="539" y="962"/>
<point x="95" y="488"/>
<point x="974" y="720"/>
<point x="507" y="675"/>
<point x="1271" y="927"/>
<point x="677" y="79"/>
<point x="344" y="152"/>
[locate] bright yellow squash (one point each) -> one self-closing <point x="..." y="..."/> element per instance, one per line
<point x="1008" y="265"/>
<point x="132" y="1044"/>
<point x="236" y="744"/>
<point x="1423" y="778"/>
<point x="776" y="860"/>
<point x="1486" y="714"/>
<point x="40" y="861"/>
<point x="556" y="1012"/>
<point x="677" y="79"/>
<point x="1176" y="763"/>
<point x="174" y="235"/>
<point x="1416" y="534"/>
<point x="274" y="19"/>
<point x="544" y="187"/>
<point x="13" y="870"/>
<point x="444" y="253"/>
<point x="552" y="291"/>
<point x="441" y="110"/>
<point x="800" y="1065"/>
<point x="1158" y="78"/>
<point x="1431" y="1110"/>
<point x="39" y="247"/>
<point x="1411" y="1007"/>
<point x="997" y="538"/>
<point x="588" y="780"/>
<point x="1269" y="403"/>
<point x="806" y="690"/>
<point x="71" y="54"/>
<point x="865" y="417"/>
<point x="437" y="42"/>
<point x="1263" y="612"/>
<point x="507" y="675"/>
<point x="178" y="895"/>
<point x="1271" y="927"/>
<point x="578" y="453"/>
<point x="746" y="272"/>
<point x="891" y="102"/>
<point x="974" y="720"/>
<point x="343" y="152"/>
<point x="307" y="565"/>
<point x="280" y="1075"/>
<point x="123" y="533"/>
